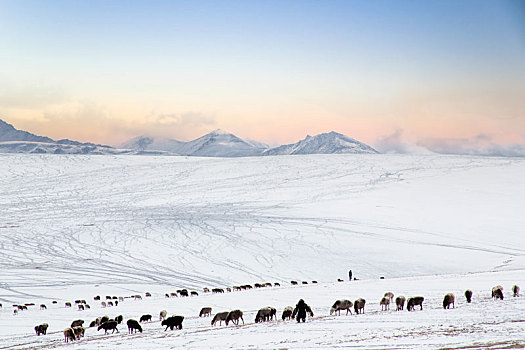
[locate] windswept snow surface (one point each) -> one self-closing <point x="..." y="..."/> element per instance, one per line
<point x="73" y="226"/>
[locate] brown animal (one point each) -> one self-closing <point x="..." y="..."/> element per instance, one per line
<point x="516" y="290"/>
<point x="447" y="300"/>
<point x="205" y="311"/>
<point x="287" y="313"/>
<point x="497" y="292"/>
<point x="103" y="304"/>
<point x="77" y="323"/>
<point x="468" y="295"/>
<point x="78" y="331"/>
<point x="80" y="307"/>
<point x="400" y="302"/>
<point x="133" y="326"/>
<point x="265" y="314"/>
<point x="106" y="326"/>
<point x="148" y="294"/>
<point x="41" y="329"/>
<point x="413" y="302"/>
<point x="234" y="317"/>
<point x="162" y="315"/>
<point x="68" y="304"/>
<point x="69" y="334"/>
<point x="207" y="290"/>
<point x="342" y="304"/>
<point x="385" y="303"/>
<point x="359" y="306"/>
<point x="390" y="295"/>
<point x="219" y="317"/>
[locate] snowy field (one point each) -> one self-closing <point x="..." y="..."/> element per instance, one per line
<point x="72" y="227"/>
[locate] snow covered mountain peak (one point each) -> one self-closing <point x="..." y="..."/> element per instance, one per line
<point x="327" y="143"/>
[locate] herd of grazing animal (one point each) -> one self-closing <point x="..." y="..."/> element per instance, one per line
<point x="265" y="314"/>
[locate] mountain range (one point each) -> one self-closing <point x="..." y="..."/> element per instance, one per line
<point x="217" y="143"/>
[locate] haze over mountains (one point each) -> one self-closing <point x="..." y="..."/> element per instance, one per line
<point x="217" y="143"/>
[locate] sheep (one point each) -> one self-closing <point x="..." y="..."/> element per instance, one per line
<point x="276" y="284"/>
<point x="79" y="331"/>
<point x="174" y="321"/>
<point x="359" y="306"/>
<point x="413" y="302"/>
<point x="516" y="291"/>
<point x="80" y="307"/>
<point x="468" y="295"/>
<point x="174" y="295"/>
<point x="195" y="294"/>
<point x="87" y="306"/>
<point x="68" y="304"/>
<point x="103" y="319"/>
<point x="339" y="305"/>
<point x="205" y="311"/>
<point x="220" y="316"/>
<point x="110" y="303"/>
<point x="43" y="307"/>
<point x="234" y="317"/>
<point x="294" y="283"/>
<point x="287" y="313"/>
<point x="108" y="297"/>
<point x="119" y="319"/>
<point x="145" y="318"/>
<point x="54" y="302"/>
<point x="41" y="329"/>
<point x="93" y="323"/>
<point x="148" y="294"/>
<point x="447" y="300"/>
<point x="257" y="285"/>
<point x="400" y="302"/>
<point x="497" y="292"/>
<point x="183" y="293"/>
<point x="339" y="280"/>
<point x="304" y="282"/>
<point x="137" y="297"/>
<point x="264" y="314"/>
<point x="133" y="326"/>
<point x="228" y="289"/>
<point x="217" y="290"/>
<point x="107" y="326"/>
<point x="390" y="295"/>
<point x="207" y="290"/>
<point x="385" y="303"/>
<point x="120" y="299"/>
<point x="103" y="304"/>
<point x="314" y="282"/>
<point x="77" y="323"/>
<point x="69" y="334"/>
<point x="96" y="298"/>
<point x="167" y="295"/>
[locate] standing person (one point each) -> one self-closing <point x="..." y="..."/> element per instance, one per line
<point x="350" y="275"/>
<point x="300" y="310"/>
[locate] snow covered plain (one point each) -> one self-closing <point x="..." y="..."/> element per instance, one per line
<point x="72" y="227"/>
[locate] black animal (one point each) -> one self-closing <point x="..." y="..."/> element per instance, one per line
<point x="447" y="300"/>
<point x="413" y="302"/>
<point x="80" y="307"/>
<point x="42" y="307"/>
<point x="294" y="283"/>
<point x="145" y="318"/>
<point x="119" y="319"/>
<point x="79" y="331"/>
<point x="109" y="325"/>
<point x="300" y="311"/>
<point x="148" y="294"/>
<point x="103" y="319"/>
<point x="77" y="323"/>
<point x="173" y="322"/>
<point x="304" y="282"/>
<point x="133" y="326"/>
<point x="96" y="298"/>
<point x="68" y="304"/>
<point x="276" y="284"/>
<point x="217" y="290"/>
<point x="516" y="291"/>
<point x="194" y="293"/>
<point x="359" y="306"/>
<point x="41" y="329"/>
<point x="468" y="295"/>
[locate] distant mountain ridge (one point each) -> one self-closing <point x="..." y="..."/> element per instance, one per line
<point x="217" y="143"/>
<point x="328" y="143"/>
